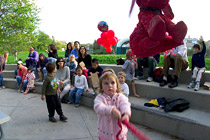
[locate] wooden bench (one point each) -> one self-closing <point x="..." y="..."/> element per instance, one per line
<point x="3" y="118"/>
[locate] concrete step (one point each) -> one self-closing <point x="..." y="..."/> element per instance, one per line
<point x="151" y="90"/>
<point x="9" y="73"/>
<point x="185" y="76"/>
<point x="11" y="67"/>
<point x="190" y="124"/>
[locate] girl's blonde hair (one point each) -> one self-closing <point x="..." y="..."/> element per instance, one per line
<point x="6" y="53"/>
<point x="108" y="70"/>
<point x="121" y="73"/>
<point x="106" y="76"/>
<point x="74" y="58"/>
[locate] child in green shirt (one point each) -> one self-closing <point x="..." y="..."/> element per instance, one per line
<point x="49" y="91"/>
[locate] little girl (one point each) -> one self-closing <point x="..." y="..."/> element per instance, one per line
<point x="30" y="77"/>
<point x="72" y="66"/>
<point x="112" y="108"/>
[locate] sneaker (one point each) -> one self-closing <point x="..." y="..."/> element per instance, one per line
<point x="76" y="105"/>
<point x="22" y="91"/>
<point x="38" y="80"/>
<point x="140" y="77"/>
<point x="52" y="119"/>
<point x="197" y="86"/>
<point x="191" y="84"/>
<point x="63" y="118"/>
<point x="149" y="79"/>
<point x="163" y="83"/>
<point x="70" y="102"/>
<point x="19" y="91"/>
<point x="3" y="87"/>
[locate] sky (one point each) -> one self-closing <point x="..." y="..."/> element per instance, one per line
<point x="72" y="20"/>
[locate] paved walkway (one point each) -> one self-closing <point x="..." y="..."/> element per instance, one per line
<point x="29" y="120"/>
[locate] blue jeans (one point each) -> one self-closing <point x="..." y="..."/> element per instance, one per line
<point x="1" y="80"/>
<point x="30" y="63"/>
<point x="15" y="72"/>
<point x="19" y="80"/>
<point x="75" y="92"/>
<point x="51" y="59"/>
<point x="44" y="72"/>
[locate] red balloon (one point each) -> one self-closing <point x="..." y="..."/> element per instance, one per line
<point x="116" y="38"/>
<point x="104" y="35"/>
<point x="100" y="41"/>
<point x="110" y="33"/>
<point x="113" y="41"/>
<point x="106" y="44"/>
<point x="109" y="49"/>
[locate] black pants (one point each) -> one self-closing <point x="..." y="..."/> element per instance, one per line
<point x="53" y="103"/>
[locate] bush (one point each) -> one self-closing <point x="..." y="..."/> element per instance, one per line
<point x="103" y="59"/>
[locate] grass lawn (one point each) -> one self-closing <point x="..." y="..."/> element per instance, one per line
<point x="103" y="59"/>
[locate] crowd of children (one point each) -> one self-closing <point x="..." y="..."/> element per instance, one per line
<point x="111" y="103"/>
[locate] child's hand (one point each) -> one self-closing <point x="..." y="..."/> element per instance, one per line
<point x="90" y="73"/>
<point x="59" y="91"/>
<point x="43" y="97"/>
<point x="125" y="117"/>
<point x="97" y="72"/>
<point x="201" y="38"/>
<point x="116" y="113"/>
<point x="38" y="69"/>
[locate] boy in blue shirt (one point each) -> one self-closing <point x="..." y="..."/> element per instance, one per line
<point x="198" y="65"/>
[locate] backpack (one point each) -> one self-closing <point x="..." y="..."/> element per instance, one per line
<point x="157" y="74"/>
<point x="178" y="105"/>
<point x="120" y="61"/>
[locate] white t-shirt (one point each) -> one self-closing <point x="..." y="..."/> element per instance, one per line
<point x="125" y="88"/>
<point x="181" y="50"/>
<point x="81" y="82"/>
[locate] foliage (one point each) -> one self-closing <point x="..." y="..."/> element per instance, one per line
<point x="18" y="21"/>
<point x="42" y="41"/>
<point x="103" y="59"/>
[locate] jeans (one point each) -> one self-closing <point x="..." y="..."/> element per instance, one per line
<point x="51" y="59"/>
<point x="76" y="92"/>
<point x="30" y="63"/>
<point x="1" y="80"/>
<point x="15" y="72"/>
<point x="149" y="62"/>
<point x="65" y="90"/>
<point x="19" y="80"/>
<point x="44" y="72"/>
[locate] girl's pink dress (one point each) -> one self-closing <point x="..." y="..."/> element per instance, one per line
<point x="30" y="77"/>
<point x="108" y="127"/>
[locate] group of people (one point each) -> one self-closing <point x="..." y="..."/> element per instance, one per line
<point x="111" y="104"/>
<point x="176" y="59"/>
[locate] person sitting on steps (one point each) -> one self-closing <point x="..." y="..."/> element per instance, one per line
<point x="177" y="59"/>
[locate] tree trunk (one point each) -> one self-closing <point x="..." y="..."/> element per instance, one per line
<point x="15" y="56"/>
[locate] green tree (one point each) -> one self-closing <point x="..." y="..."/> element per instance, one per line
<point x="42" y="41"/>
<point x="18" y="21"/>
